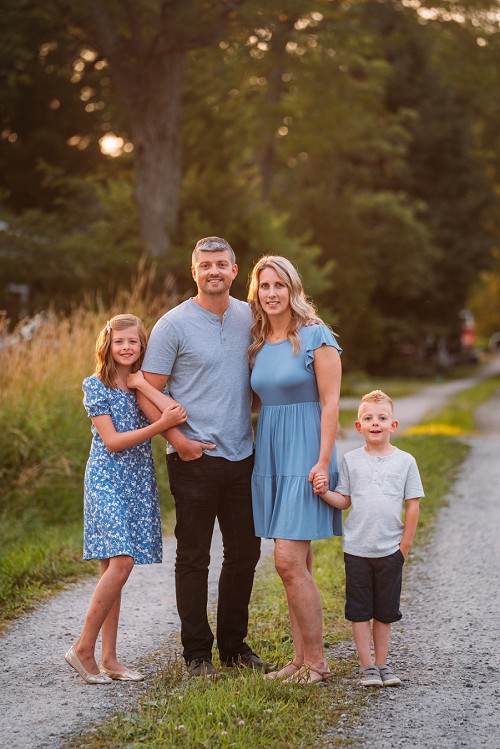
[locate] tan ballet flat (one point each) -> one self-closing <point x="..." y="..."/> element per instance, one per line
<point x="73" y="660"/>
<point x="122" y="675"/>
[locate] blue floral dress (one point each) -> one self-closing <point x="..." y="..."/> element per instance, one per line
<point x="121" y="507"/>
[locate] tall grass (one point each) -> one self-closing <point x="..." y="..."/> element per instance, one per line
<point x="45" y="439"/>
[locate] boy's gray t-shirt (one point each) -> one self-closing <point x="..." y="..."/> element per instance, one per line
<point x="378" y="487"/>
<point x="209" y="373"/>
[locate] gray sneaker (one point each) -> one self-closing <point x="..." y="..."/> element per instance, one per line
<point x="389" y="678"/>
<point x="370" y="677"/>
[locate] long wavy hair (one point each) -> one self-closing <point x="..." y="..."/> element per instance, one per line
<point x="302" y="310"/>
<point x="105" y="367"/>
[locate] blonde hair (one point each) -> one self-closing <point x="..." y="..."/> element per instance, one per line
<point x="302" y="310"/>
<point x="376" y="396"/>
<point x="105" y="367"/>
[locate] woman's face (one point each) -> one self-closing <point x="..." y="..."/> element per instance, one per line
<point x="274" y="295"/>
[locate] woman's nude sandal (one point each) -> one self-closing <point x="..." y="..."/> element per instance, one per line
<point x="288" y="670"/>
<point x="304" y="675"/>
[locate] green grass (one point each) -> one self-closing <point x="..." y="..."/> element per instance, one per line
<point x="43" y="451"/>
<point x="241" y="709"/>
<point x="41" y="511"/>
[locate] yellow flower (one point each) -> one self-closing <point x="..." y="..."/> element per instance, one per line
<point x="446" y="430"/>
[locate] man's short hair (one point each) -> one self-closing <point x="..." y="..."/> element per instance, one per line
<point x="213" y="244"/>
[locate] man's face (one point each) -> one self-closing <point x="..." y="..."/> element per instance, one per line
<point x="213" y="272"/>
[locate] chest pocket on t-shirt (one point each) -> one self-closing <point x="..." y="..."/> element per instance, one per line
<point x="394" y="484"/>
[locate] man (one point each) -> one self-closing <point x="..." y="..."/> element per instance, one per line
<point x="199" y="350"/>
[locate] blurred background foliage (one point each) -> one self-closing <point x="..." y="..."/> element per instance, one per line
<point x="358" y="138"/>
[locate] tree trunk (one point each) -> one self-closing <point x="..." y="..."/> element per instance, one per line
<point x="155" y="122"/>
<point x="146" y="69"/>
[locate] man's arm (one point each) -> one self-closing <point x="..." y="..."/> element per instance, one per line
<point x="187" y="449"/>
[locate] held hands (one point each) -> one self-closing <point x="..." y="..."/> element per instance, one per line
<point x="319" y="468"/>
<point x="320" y="483"/>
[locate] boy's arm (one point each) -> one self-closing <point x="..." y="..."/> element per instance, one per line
<point x="333" y="498"/>
<point x="412" y="509"/>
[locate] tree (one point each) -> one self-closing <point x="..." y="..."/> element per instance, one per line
<point x="145" y="45"/>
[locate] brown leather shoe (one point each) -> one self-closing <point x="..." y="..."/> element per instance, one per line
<point x="249" y="660"/>
<point x="200" y="667"/>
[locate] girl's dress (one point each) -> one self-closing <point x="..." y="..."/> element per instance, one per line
<point x="121" y="508"/>
<point x="288" y="442"/>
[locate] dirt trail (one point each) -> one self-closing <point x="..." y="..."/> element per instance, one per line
<point x="445" y="649"/>
<point x="42" y="701"/>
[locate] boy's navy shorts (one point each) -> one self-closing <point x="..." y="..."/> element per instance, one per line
<point x="373" y="587"/>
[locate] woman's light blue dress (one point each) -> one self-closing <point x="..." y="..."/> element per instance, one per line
<point x="121" y="507"/>
<point x="288" y="441"/>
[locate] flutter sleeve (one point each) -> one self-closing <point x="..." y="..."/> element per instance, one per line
<point x="95" y="397"/>
<point x="317" y="336"/>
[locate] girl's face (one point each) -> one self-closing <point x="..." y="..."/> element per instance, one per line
<point x="274" y="295"/>
<point x="125" y="346"/>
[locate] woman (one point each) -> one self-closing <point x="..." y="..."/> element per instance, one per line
<point x="296" y="375"/>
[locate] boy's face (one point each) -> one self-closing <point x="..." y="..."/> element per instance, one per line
<point x="376" y="423"/>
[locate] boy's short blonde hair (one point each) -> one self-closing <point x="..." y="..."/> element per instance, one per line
<point x="376" y="396"/>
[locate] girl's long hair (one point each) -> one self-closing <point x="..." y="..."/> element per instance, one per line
<point x="105" y="367"/>
<point x="302" y="310"/>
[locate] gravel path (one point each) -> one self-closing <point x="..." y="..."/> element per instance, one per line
<point x="445" y="649"/>
<point x="450" y="621"/>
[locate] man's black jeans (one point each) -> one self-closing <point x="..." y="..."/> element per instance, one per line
<point x="206" y="489"/>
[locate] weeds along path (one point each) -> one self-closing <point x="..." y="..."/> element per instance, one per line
<point x="42" y="701"/>
<point x="445" y="649"/>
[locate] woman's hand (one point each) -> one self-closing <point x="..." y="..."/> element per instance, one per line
<point x="320" y="468"/>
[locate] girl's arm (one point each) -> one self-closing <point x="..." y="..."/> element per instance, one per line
<point x="328" y="371"/>
<point x="186" y="449"/>
<point x="117" y="441"/>
<point x="138" y="382"/>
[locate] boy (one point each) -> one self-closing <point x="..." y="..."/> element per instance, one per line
<point x="373" y="481"/>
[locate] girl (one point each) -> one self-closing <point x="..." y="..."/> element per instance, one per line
<point x="121" y="511"/>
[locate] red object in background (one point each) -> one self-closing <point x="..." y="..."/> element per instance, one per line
<point x="467" y="329"/>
